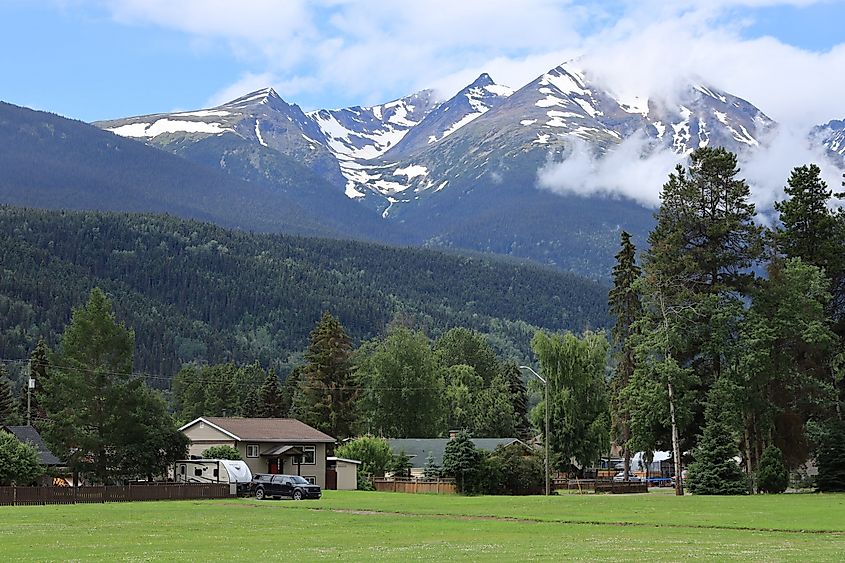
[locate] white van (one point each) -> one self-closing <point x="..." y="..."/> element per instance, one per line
<point x="232" y="472"/>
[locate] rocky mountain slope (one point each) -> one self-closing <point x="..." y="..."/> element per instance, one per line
<point x="462" y="172"/>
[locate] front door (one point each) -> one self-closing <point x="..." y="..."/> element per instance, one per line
<point x="273" y="466"/>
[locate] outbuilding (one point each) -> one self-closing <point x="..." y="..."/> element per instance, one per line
<point x="342" y="473"/>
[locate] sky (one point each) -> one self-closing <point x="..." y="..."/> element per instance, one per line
<point x="100" y="59"/>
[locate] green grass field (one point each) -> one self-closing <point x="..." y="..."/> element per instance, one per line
<point x="394" y="526"/>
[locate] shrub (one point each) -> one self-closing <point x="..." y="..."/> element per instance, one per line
<point x="772" y="475"/>
<point x="373" y="453"/>
<point x="222" y="452"/>
<point x="18" y="461"/>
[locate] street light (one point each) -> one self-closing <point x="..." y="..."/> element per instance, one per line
<point x="546" y="436"/>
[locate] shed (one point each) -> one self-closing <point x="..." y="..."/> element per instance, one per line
<point x="345" y="473"/>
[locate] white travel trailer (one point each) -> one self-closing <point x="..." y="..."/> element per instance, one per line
<point x="226" y="471"/>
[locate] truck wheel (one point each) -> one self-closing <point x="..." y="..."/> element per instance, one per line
<point x="297" y="495"/>
<point x="259" y="494"/>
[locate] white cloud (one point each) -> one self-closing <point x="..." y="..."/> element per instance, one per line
<point x="368" y="51"/>
<point x="631" y="169"/>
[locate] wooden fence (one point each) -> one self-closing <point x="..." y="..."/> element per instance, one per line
<point x="21" y="496"/>
<point x="600" y="486"/>
<point x="435" y="486"/>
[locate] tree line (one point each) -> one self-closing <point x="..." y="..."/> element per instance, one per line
<point x="402" y="385"/>
<point x="728" y="335"/>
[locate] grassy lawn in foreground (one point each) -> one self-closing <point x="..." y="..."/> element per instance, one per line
<point x="348" y="524"/>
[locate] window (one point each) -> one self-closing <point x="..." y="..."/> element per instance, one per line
<point x="309" y="455"/>
<point x="252" y="450"/>
<point x="198" y="471"/>
<point x="310" y="478"/>
<point x="215" y="473"/>
<point x="182" y="469"/>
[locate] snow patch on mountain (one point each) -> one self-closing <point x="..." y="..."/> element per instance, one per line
<point x="165" y="125"/>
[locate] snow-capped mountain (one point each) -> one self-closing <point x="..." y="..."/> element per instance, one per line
<point x="831" y="136"/>
<point x="463" y="172"/>
<point x="545" y="119"/>
<point x="470" y="103"/>
<point x="363" y="133"/>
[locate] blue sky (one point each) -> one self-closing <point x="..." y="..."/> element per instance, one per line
<point x="97" y="59"/>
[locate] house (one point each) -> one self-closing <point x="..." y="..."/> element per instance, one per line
<point x="267" y="445"/>
<point x="420" y="449"/>
<point x="30" y="435"/>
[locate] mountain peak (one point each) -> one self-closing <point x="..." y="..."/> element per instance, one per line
<point x="482" y="80"/>
<point x="262" y="96"/>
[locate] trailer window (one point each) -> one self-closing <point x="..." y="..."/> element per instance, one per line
<point x="198" y="471"/>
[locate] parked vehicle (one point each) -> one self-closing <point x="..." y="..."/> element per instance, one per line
<point x="214" y="471"/>
<point x="277" y="486"/>
<point x="621" y="477"/>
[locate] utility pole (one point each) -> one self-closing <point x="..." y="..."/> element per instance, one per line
<point x="30" y="385"/>
<point x="546" y="436"/>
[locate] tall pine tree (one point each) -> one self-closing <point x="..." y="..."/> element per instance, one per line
<point x="699" y="269"/>
<point x="271" y="402"/>
<point x="39" y="365"/>
<point x="329" y="385"/>
<point x="625" y="306"/>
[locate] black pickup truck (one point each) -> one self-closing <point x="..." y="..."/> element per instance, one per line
<point x="277" y="486"/>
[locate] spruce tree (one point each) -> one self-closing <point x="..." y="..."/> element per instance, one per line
<point x="772" y="475"/>
<point x="39" y="364"/>
<point x="461" y="461"/>
<point x="329" y="386"/>
<point x="519" y="398"/>
<point x="270" y="403"/>
<point x="715" y="471"/>
<point x="625" y="306"/>
<point x="830" y="458"/>
<point x="7" y="398"/>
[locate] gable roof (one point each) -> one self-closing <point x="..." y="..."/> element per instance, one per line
<point x="29" y="434"/>
<point x="418" y="449"/>
<point x="264" y="429"/>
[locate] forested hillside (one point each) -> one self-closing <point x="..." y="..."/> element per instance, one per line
<point x="196" y="291"/>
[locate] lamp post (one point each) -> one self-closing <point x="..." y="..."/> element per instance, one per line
<point x="546" y="436"/>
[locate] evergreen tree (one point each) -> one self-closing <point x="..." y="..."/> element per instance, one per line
<point x="715" y="471"/>
<point x="39" y="365"/>
<point x="772" y="475"/>
<point x="830" y="458"/>
<point x="810" y="230"/>
<point x="519" y="398"/>
<point x="462" y="461"/>
<point x="625" y="306"/>
<point x="329" y="387"/>
<point x="575" y="373"/>
<point x="7" y="398"/>
<point x="271" y="401"/>
<point x="103" y="419"/>
<point x="697" y="272"/>
<point x="431" y="470"/>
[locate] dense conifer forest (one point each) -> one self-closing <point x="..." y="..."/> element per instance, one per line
<point x="194" y="291"/>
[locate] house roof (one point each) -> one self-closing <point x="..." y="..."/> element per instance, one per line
<point x="264" y="429"/>
<point x="31" y="435"/>
<point x="418" y="449"/>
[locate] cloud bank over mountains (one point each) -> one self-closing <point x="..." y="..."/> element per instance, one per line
<point x="368" y="51"/>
